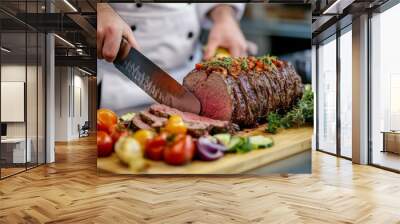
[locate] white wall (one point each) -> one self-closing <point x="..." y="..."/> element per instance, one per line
<point x="12" y="73"/>
<point x="33" y="127"/>
<point x="61" y="114"/>
<point x="70" y="83"/>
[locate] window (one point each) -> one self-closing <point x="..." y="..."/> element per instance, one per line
<point x="385" y="89"/>
<point x="327" y="96"/>
<point x="346" y="93"/>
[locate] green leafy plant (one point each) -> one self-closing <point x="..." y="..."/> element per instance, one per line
<point x="301" y="113"/>
<point x="274" y="122"/>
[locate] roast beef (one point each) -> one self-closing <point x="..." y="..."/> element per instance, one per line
<point x="243" y="90"/>
<point x="137" y="123"/>
<point x="194" y="122"/>
<point x="194" y="129"/>
<point x="157" y="115"/>
<point x="152" y="120"/>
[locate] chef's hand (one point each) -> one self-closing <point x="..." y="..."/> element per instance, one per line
<point x="225" y="33"/>
<point x="110" y="30"/>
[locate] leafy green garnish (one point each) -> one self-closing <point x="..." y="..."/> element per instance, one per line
<point x="225" y="62"/>
<point x="300" y="114"/>
<point x="245" y="146"/>
<point x="244" y="64"/>
<point x="127" y="117"/>
<point x="274" y="122"/>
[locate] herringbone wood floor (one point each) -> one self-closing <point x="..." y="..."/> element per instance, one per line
<point x="70" y="191"/>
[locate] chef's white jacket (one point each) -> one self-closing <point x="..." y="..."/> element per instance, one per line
<point x="167" y="33"/>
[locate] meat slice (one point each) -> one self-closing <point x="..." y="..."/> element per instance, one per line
<point x="192" y="119"/>
<point x="194" y="129"/>
<point x="198" y="129"/>
<point x="152" y="120"/>
<point x="137" y="123"/>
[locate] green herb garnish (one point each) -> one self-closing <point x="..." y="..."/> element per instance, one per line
<point x="244" y="64"/>
<point x="300" y="114"/>
<point x="225" y="62"/>
<point x="274" y="122"/>
<point x="245" y="146"/>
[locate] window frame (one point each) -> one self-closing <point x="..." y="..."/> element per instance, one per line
<point x="29" y="29"/>
<point x="333" y="37"/>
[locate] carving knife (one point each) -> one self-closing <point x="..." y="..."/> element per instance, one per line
<point x="154" y="81"/>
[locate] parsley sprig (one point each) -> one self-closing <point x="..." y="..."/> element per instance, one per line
<point x="301" y="113"/>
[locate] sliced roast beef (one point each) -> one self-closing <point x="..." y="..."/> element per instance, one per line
<point x="137" y="123"/>
<point x="193" y="119"/>
<point x="241" y="90"/>
<point x="156" y="122"/>
<point x="152" y="120"/>
<point x="198" y="129"/>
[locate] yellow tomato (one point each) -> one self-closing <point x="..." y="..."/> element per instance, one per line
<point x="129" y="151"/>
<point x="175" y="119"/>
<point x="143" y="137"/>
<point x="175" y="125"/>
<point x="176" y="128"/>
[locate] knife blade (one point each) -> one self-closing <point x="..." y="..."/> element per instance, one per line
<point x="154" y="81"/>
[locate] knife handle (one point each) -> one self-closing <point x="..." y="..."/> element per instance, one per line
<point x="124" y="49"/>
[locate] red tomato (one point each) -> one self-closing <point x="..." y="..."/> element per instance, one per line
<point x="180" y="152"/>
<point x="199" y="66"/>
<point x="104" y="144"/>
<point x="117" y="131"/>
<point x="105" y="120"/>
<point x="277" y="63"/>
<point x="155" y="147"/>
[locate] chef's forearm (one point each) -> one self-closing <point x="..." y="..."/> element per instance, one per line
<point x="222" y="12"/>
<point x="101" y="6"/>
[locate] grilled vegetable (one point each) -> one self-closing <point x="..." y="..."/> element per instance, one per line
<point x="234" y="143"/>
<point x="117" y="131"/>
<point x="104" y="144"/>
<point x="175" y="125"/>
<point x="223" y="138"/>
<point x="106" y="119"/>
<point x="155" y="148"/>
<point x="181" y="151"/>
<point x="245" y="146"/>
<point x="260" y="141"/>
<point x="127" y="117"/>
<point x="143" y="137"/>
<point x="129" y="151"/>
<point x="208" y="150"/>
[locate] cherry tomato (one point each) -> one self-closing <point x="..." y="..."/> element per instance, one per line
<point x="199" y="66"/>
<point x="143" y="137"/>
<point x="155" y="147"/>
<point x="104" y="144"/>
<point x="175" y="125"/>
<point x="259" y="64"/>
<point x="181" y="151"/>
<point x="106" y="119"/>
<point x="117" y="131"/>
<point x="277" y="63"/>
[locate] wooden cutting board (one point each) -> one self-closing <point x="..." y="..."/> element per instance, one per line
<point x="286" y="143"/>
